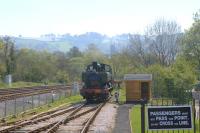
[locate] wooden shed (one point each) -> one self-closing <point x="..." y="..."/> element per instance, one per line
<point x="138" y="86"/>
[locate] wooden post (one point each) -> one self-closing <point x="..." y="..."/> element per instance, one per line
<point x="60" y="92"/>
<point x="23" y="104"/>
<point x="5" y="108"/>
<point x="142" y="116"/>
<point x="52" y="97"/>
<point x="32" y="101"/>
<point x="65" y="93"/>
<point x="194" y="115"/>
<point x="15" y="106"/>
<point x="46" y="98"/>
<point x="39" y="100"/>
<point x="199" y="114"/>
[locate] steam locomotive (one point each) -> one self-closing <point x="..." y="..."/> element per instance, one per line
<point x="97" y="82"/>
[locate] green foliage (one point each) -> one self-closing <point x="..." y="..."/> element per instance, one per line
<point x="1" y="44"/>
<point x="160" y="74"/>
<point x="75" y="68"/>
<point x="122" y="95"/>
<point x="175" y="81"/>
<point x="196" y="16"/>
<point x="191" y="43"/>
<point x="34" y="66"/>
<point x="8" y="48"/>
<point x="183" y="75"/>
<point x="62" y="77"/>
<point x="42" y="66"/>
<point x="74" y="52"/>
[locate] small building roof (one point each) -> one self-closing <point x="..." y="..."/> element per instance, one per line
<point x="142" y="77"/>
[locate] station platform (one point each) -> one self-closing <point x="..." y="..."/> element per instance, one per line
<point x="122" y="123"/>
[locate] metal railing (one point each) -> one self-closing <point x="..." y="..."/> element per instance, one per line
<point x="15" y="106"/>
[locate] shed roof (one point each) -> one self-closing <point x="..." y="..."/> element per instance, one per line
<point x="142" y="77"/>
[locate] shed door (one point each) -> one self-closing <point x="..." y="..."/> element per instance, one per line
<point x="144" y="90"/>
<point x="133" y="91"/>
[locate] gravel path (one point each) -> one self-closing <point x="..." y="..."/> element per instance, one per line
<point x="122" y="123"/>
<point x="105" y="120"/>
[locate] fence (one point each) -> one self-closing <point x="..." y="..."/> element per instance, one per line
<point x="22" y="104"/>
<point x="172" y="102"/>
<point x="196" y="102"/>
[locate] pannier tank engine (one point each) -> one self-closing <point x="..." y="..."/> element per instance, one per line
<point x="97" y="82"/>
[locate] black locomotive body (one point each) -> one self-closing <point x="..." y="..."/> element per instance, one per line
<point x="97" y="82"/>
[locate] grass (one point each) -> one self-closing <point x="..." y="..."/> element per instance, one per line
<point x="27" y="114"/>
<point x="122" y="95"/>
<point x="163" y="102"/>
<point x="135" y="119"/>
<point x="21" y="84"/>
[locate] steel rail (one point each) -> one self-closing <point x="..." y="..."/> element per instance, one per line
<point x="28" y="122"/>
<point x="18" y="95"/>
<point x="25" y="89"/>
<point x="91" y="119"/>
<point x="72" y="117"/>
<point x="56" y="125"/>
<point x="53" y="126"/>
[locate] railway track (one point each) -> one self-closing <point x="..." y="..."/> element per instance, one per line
<point x="62" y="120"/>
<point x="9" y="94"/>
<point x="25" y="89"/>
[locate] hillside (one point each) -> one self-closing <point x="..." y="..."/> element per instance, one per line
<point x="51" y="42"/>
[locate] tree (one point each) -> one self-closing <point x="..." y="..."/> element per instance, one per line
<point x="2" y="62"/>
<point x="9" y="54"/>
<point x="62" y="76"/>
<point x="196" y="16"/>
<point x="92" y="53"/>
<point x="74" y="52"/>
<point x="166" y="36"/>
<point x="191" y="43"/>
<point x="184" y="76"/>
<point x="75" y="68"/>
<point x="35" y="66"/>
<point x="1" y="44"/>
<point x="116" y="64"/>
<point x="139" y="51"/>
<point x="160" y="74"/>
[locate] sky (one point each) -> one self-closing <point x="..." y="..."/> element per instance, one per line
<point x="32" y="18"/>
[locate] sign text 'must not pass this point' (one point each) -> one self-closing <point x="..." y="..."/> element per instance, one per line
<point x="169" y="117"/>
